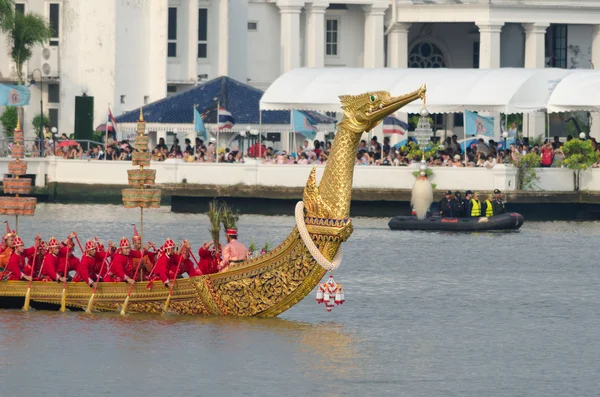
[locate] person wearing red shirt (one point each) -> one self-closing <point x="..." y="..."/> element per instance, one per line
<point x="120" y="262"/>
<point x="16" y="262"/>
<point x="162" y="263"/>
<point x="209" y="258"/>
<point x="66" y="257"/>
<point x="547" y="154"/>
<point x="51" y="261"/>
<point x="186" y="266"/>
<point x="85" y="268"/>
<point x="257" y="150"/>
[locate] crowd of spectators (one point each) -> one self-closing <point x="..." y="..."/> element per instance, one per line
<point x="449" y="154"/>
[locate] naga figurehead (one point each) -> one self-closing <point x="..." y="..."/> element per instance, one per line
<point x="363" y="112"/>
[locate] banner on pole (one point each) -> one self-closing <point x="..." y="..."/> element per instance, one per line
<point x="14" y="95"/>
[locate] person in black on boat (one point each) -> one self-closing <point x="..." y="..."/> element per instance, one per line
<point x="459" y="205"/>
<point x="467" y="205"/>
<point x="447" y="205"/>
<point x="497" y="203"/>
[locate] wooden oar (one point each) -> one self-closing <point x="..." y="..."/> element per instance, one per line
<point x="150" y="282"/>
<point x="63" y="299"/>
<point x="28" y="294"/>
<point x="88" y="309"/>
<point x="183" y="248"/>
<point x="124" y="309"/>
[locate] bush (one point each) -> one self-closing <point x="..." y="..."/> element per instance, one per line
<point x="579" y="155"/>
<point x="36" y="122"/>
<point x="9" y="120"/>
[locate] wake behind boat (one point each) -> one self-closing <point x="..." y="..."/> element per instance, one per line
<point x="508" y="221"/>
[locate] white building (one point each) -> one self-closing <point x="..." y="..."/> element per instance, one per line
<point x="129" y="53"/>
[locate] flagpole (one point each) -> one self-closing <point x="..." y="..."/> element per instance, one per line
<point x="293" y="134"/>
<point x="260" y="153"/>
<point x="218" y="130"/>
<point x="106" y="143"/>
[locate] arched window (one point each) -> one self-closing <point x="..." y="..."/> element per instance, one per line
<point x="426" y="55"/>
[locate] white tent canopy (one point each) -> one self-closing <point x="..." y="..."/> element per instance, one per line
<point x="580" y="91"/>
<point x="506" y="90"/>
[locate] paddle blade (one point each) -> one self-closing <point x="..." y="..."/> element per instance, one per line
<point x="166" y="309"/>
<point x="88" y="309"/>
<point x="124" y="309"/>
<point x="27" y="298"/>
<point x="63" y="300"/>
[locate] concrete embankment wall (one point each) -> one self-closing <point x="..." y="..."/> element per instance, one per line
<point x="274" y="189"/>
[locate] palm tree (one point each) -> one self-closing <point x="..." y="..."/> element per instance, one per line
<point x="7" y="10"/>
<point x="26" y="31"/>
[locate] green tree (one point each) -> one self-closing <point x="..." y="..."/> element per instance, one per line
<point x="7" y="11"/>
<point x="579" y="155"/>
<point x="26" y="31"/>
<point x="9" y="120"/>
<point x="36" y="122"/>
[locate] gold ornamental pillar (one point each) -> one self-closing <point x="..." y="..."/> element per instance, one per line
<point x="139" y="196"/>
<point x="15" y="205"/>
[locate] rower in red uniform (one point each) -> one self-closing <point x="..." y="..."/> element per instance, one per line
<point x="234" y="252"/>
<point x="42" y="248"/>
<point x="50" y="262"/>
<point x="85" y="269"/>
<point x="162" y="263"/>
<point x="120" y="262"/>
<point x="101" y="256"/>
<point x="186" y="266"/>
<point x="7" y="248"/>
<point x="209" y="258"/>
<point x="147" y="259"/>
<point x="16" y="263"/>
<point x="66" y="256"/>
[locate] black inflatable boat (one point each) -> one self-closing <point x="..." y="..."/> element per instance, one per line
<point x="509" y="221"/>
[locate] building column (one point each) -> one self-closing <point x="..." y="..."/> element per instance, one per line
<point x="223" y="63"/>
<point x="398" y="58"/>
<point x="595" y="117"/>
<point x="398" y="45"/>
<point x="535" y="58"/>
<point x="489" y="44"/>
<point x="489" y="58"/>
<point x="289" y="11"/>
<point x="192" y="40"/>
<point x="373" y="54"/>
<point x="315" y="34"/>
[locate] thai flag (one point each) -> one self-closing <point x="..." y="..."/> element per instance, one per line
<point x="111" y="120"/>
<point x="393" y="125"/>
<point x="226" y="120"/>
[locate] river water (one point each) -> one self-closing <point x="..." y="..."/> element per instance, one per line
<point x="427" y="314"/>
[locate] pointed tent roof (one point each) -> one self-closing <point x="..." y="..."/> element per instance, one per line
<point x="240" y="99"/>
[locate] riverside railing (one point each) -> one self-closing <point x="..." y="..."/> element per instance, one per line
<point x="32" y="147"/>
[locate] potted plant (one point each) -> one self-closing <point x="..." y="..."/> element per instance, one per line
<point x="214" y="217"/>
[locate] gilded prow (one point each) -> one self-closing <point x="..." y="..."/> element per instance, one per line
<point x="361" y="113"/>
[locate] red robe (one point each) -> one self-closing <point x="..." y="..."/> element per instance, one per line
<point x="84" y="269"/>
<point x="99" y="260"/>
<point x="72" y="263"/>
<point x="132" y="262"/>
<point x="162" y="267"/>
<point x="49" y="266"/>
<point x="16" y="265"/>
<point x="187" y="266"/>
<point x="121" y="265"/>
<point x="209" y="261"/>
